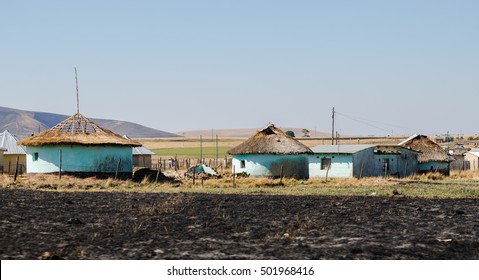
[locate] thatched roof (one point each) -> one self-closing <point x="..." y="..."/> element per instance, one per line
<point x="77" y="129"/>
<point x="430" y="151"/>
<point x="270" y="140"/>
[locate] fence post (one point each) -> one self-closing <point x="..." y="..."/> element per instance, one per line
<point x="281" y="175"/>
<point x="234" y="175"/>
<point x="117" y="168"/>
<point x="16" y="170"/>
<point x="60" y="166"/>
<point x="194" y="175"/>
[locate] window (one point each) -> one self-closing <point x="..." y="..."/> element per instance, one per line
<point x="243" y="164"/>
<point x="325" y="163"/>
<point x="35" y="156"/>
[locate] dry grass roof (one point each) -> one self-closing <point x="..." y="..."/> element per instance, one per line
<point x="77" y="129"/>
<point x="270" y="140"/>
<point x="430" y="151"/>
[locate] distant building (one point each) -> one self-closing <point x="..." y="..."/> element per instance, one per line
<point x="12" y="153"/>
<point x="269" y="152"/>
<point x="79" y="147"/>
<point x="141" y="155"/>
<point x="432" y="157"/>
<point x="472" y="157"/>
<point x="357" y="161"/>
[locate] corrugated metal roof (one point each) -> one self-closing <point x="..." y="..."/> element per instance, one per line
<point x="139" y="150"/>
<point x="474" y="152"/>
<point x="9" y="142"/>
<point x="340" y="149"/>
<point x="142" y="151"/>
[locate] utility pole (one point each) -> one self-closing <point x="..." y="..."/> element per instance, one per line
<point x="332" y="131"/>
<point x="201" y="149"/>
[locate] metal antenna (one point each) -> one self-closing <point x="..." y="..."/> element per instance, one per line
<point x="78" y="99"/>
<point x="332" y="132"/>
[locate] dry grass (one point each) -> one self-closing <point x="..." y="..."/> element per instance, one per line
<point x="171" y="206"/>
<point x="464" y="184"/>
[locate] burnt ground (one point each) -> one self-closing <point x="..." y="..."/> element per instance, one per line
<point x="87" y="225"/>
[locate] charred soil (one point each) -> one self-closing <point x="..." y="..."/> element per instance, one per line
<point x="111" y="225"/>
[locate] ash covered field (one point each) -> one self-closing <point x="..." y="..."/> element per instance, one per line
<point x="128" y="225"/>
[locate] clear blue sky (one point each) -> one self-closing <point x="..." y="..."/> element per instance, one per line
<point x="400" y="66"/>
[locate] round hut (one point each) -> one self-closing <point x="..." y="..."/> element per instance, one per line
<point x="432" y="157"/>
<point x="79" y="147"/>
<point x="271" y="153"/>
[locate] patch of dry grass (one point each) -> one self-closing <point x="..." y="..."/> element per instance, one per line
<point x="457" y="185"/>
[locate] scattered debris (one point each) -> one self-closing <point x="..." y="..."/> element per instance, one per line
<point x="201" y="170"/>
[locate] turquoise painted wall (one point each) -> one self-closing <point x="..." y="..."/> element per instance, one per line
<point x="258" y="165"/>
<point x="79" y="158"/>
<point x="398" y="166"/>
<point x="434" y="166"/>
<point x="341" y="166"/>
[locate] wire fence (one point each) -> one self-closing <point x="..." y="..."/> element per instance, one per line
<point x="176" y="164"/>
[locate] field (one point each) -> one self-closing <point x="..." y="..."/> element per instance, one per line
<point x="415" y="218"/>
<point x="189" y="148"/>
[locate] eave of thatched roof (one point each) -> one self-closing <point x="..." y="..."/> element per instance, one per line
<point x="270" y="140"/>
<point x="430" y="151"/>
<point x="77" y="129"/>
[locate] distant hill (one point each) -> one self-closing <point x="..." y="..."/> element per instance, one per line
<point x="244" y="133"/>
<point x="24" y="123"/>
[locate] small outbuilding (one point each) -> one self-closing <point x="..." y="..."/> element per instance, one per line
<point x="13" y="153"/>
<point x="141" y="155"/>
<point x="80" y="147"/>
<point x="340" y="161"/>
<point x="472" y="157"/>
<point x="432" y="157"/>
<point x="358" y="161"/>
<point x="271" y="153"/>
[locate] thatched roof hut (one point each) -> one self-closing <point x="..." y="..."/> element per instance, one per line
<point x="77" y="129"/>
<point x="430" y="151"/>
<point x="271" y="140"/>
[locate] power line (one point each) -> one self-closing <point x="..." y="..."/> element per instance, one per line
<point x="368" y="123"/>
<point x="363" y="122"/>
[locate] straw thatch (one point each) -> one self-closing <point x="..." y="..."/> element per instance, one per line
<point x="430" y="151"/>
<point x="77" y="129"/>
<point x="270" y="140"/>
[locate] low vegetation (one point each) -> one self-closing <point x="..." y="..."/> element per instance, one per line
<point x="458" y="185"/>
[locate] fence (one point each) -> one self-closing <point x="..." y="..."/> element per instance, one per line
<point x="460" y="165"/>
<point x="176" y="164"/>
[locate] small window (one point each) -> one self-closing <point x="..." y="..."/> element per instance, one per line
<point x="35" y="156"/>
<point x="243" y="164"/>
<point x="325" y="163"/>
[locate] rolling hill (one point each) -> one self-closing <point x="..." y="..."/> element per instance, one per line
<point x="25" y="123"/>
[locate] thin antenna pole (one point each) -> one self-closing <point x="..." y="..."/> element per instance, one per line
<point x="78" y="99"/>
<point x="332" y="131"/>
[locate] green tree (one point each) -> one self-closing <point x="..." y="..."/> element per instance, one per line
<point x="290" y="133"/>
<point x="305" y="132"/>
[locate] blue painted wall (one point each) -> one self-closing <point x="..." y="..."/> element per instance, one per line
<point x="434" y="166"/>
<point x="364" y="163"/>
<point x="259" y="165"/>
<point x="79" y="158"/>
<point x="341" y="166"/>
<point x="402" y="165"/>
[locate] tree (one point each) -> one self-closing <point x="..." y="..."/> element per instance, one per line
<point x="290" y="133"/>
<point x="305" y="132"/>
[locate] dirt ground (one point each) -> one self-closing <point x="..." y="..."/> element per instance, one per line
<point x="88" y="225"/>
